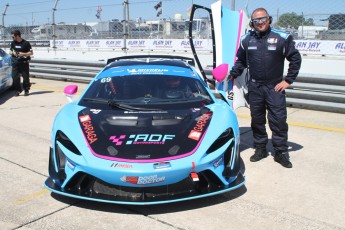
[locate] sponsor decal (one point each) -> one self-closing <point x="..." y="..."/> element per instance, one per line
<point x="120" y="165"/>
<point x="143" y="156"/>
<point x="84" y="118"/>
<point x="93" y="43"/>
<point x="146" y="71"/>
<point x="307" y="45"/>
<point x="162" y="43"/>
<point x="197" y="131"/>
<point x="272" y="40"/>
<point x="95" y="111"/>
<point x="195" y="110"/>
<point x="185" y="43"/>
<point x="144" y="112"/>
<point x="58" y="43"/>
<point x="340" y="46"/>
<point x="70" y="165"/>
<point x="40" y="43"/>
<point x="138" y="43"/>
<point x="104" y="80"/>
<point x="74" y="43"/>
<point x="142" y="179"/>
<point x="217" y="162"/>
<point x="195" y="135"/>
<point x="162" y="165"/>
<point x="88" y="128"/>
<point x="117" y="140"/>
<point x="142" y="139"/>
<point x="113" y="43"/>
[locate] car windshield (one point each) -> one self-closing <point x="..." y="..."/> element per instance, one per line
<point x="146" y="91"/>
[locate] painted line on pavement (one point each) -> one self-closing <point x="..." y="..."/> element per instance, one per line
<point x="32" y="196"/>
<point x="303" y="125"/>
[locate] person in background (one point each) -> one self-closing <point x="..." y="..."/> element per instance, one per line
<point x="263" y="51"/>
<point x="21" y="52"/>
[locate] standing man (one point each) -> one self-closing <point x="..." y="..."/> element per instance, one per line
<point x="21" y="51"/>
<point x="264" y="50"/>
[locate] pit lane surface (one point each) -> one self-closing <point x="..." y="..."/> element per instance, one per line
<point x="308" y="196"/>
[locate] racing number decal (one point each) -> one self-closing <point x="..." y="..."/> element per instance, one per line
<point x="107" y="79"/>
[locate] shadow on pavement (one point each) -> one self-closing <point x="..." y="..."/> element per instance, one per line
<point x="41" y="92"/>
<point x="247" y="142"/>
<point x="5" y="96"/>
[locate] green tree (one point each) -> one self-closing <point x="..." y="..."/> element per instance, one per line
<point x="292" y="20"/>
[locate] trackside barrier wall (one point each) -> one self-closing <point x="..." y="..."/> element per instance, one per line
<point x="316" y="92"/>
<point x="306" y="47"/>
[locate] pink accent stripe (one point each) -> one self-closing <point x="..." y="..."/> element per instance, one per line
<point x="145" y="161"/>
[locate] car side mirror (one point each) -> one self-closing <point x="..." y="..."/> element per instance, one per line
<point x="70" y="91"/>
<point x="220" y="72"/>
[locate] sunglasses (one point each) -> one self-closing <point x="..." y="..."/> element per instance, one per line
<point x="257" y="20"/>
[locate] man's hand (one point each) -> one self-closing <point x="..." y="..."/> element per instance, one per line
<point x="280" y="87"/>
<point x="14" y="54"/>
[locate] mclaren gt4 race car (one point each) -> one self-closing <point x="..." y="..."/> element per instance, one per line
<point x="147" y="130"/>
<point x="5" y="71"/>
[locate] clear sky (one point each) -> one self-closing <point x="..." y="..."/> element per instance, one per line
<point x="35" y="12"/>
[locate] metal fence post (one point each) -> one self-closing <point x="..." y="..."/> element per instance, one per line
<point x="53" y="23"/>
<point x="3" y="25"/>
<point x="125" y="24"/>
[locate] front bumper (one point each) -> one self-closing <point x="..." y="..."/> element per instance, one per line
<point x="217" y="174"/>
<point x="89" y="188"/>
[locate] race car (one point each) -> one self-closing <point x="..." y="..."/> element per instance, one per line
<point x="5" y="71"/>
<point x="146" y="130"/>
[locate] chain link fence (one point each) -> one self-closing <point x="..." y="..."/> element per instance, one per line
<point x="314" y="24"/>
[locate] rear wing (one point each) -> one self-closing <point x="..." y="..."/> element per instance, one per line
<point x="188" y="60"/>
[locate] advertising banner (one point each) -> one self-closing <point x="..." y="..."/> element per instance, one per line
<point x="312" y="47"/>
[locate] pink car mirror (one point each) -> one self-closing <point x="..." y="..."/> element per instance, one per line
<point x="70" y="89"/>
<point x="220" y="72"/>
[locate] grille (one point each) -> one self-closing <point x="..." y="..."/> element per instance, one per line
<point x="83" y="184"/>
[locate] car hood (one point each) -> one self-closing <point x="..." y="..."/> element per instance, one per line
<point x="143" y="136"/>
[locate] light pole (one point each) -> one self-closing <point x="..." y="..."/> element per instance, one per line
<point x="125" y="24"/>
<point x="3" y="24"/>
<point x="53" y="23"/>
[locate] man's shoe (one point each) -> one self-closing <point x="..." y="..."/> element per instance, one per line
<point x="18" y="93"/>
<point x="26" y="93"/>
<point x="283" y="159"/>
<point x="259" y="155"/>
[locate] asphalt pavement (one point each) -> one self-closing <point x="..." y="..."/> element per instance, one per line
<point x="308" y="196"/>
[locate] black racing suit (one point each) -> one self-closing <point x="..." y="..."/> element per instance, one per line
<point x="264" y="54"/>
<point x="20" y="65"/>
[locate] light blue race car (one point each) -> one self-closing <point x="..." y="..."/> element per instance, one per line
<point x="147" y="130"/>
<point x="5" y="71"/>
